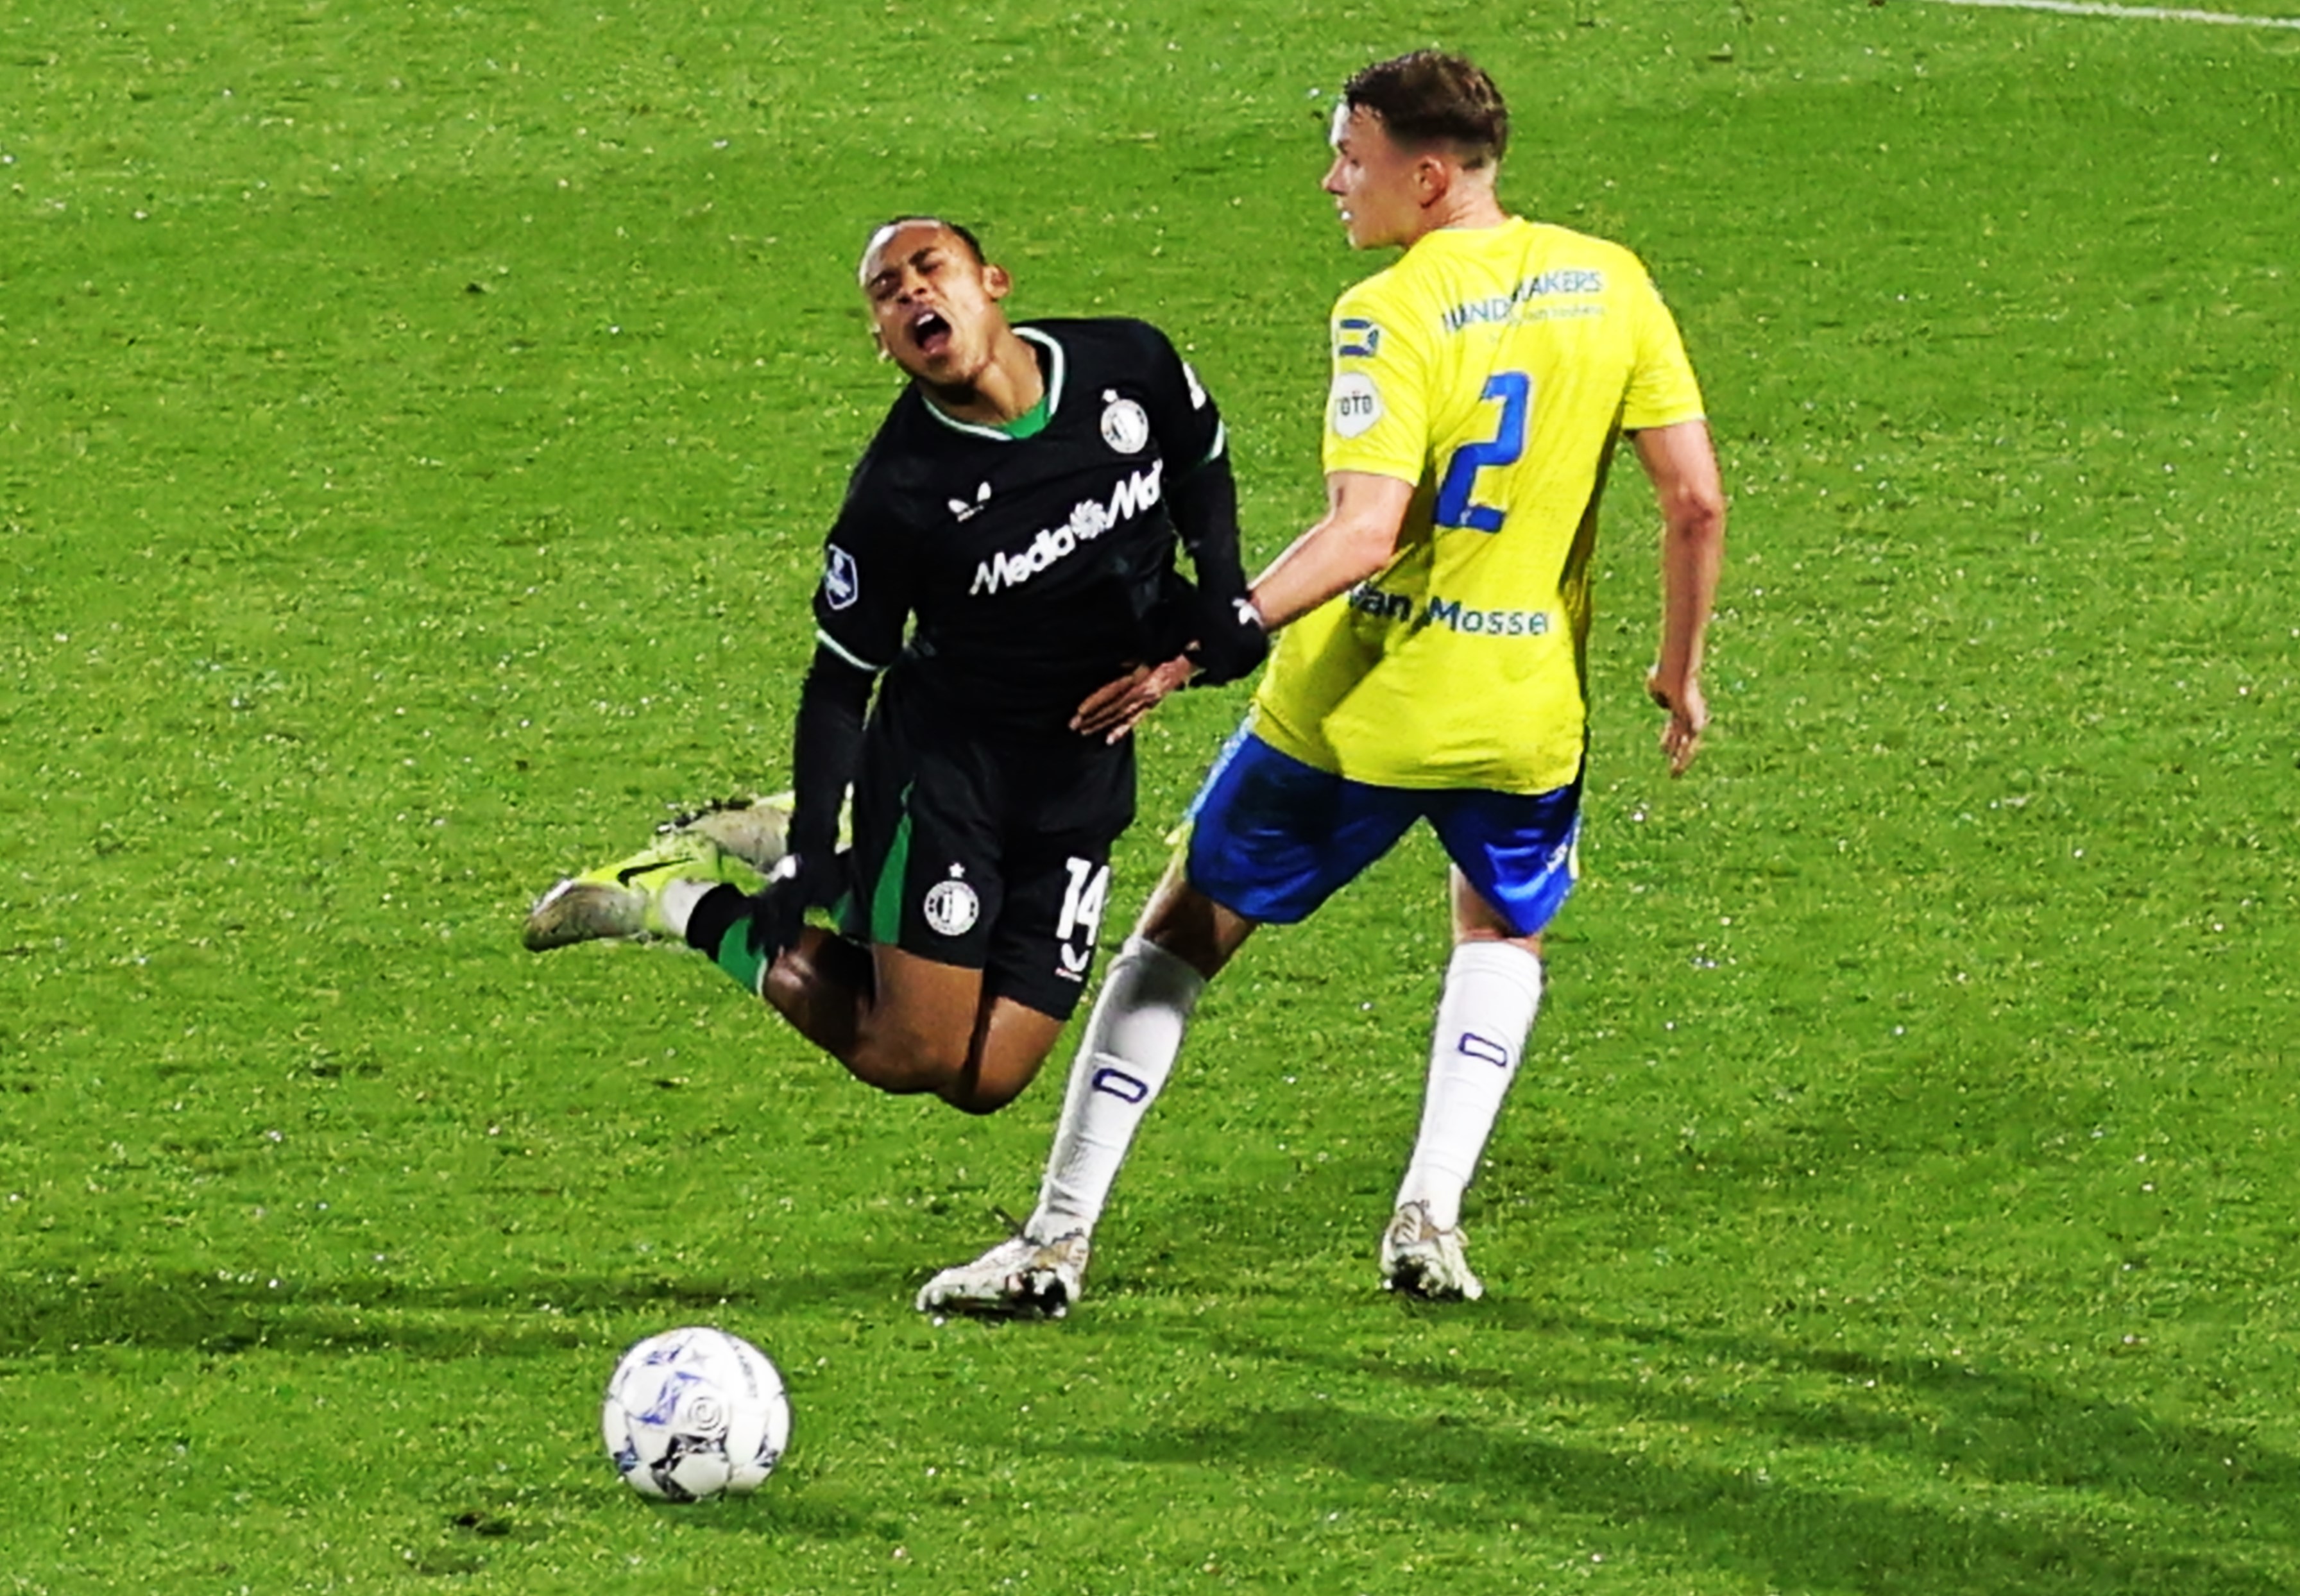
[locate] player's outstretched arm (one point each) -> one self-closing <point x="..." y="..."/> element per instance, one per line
<point x="827" y="743"/>
<point x="1355" y="539"/>
<point x="1682" y="466"/>
<point x="1228" y="639"/>
<point x="1218" y="637"/>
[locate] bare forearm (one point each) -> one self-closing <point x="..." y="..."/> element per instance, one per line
<point x="1319" y="564"/>
<point x="1682" y="466"/>
<point x="1355" y="538"/>
<point x="1692" y="550"/>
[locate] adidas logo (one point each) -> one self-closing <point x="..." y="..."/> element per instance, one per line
<point x="965" y="511"/>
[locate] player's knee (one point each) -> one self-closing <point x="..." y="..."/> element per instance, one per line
<point x="986" y="1091"/>
<point x="976" y="1100"/>
<point x="785" y="986"/>
<point x="1184" y="922"/>
<point x="904" y="1062"/>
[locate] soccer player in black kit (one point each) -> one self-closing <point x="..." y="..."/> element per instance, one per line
<point x="1019" y="511"/>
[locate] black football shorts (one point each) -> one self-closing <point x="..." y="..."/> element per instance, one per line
<point x="989" y="854"/>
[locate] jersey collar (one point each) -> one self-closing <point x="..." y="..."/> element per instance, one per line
<point x="1049" y="403"/>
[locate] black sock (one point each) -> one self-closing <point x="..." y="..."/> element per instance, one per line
<point x="714" y="916"/>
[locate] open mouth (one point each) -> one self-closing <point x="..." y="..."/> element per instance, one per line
<point x="931" y="332"/>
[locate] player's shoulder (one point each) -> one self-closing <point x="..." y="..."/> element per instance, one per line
<point x="1542" y="259"/>
<point x="897" y="436"/>
<point x="1565" y="248"/>
<point x="1388" y="287"/>
<point x="888" y="472"/>
<point x="1558" y="239"/>
<point x="1124" y="353"/>
<point x="1418" y="288"/>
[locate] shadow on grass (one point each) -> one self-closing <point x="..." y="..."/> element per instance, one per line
<point x="538" y="1314"/>
<point x="1974" y="1444"/>
<point x="1792" y="1537"/>
<point x="783" y="1511"/>
<point x="1946" y="1416"/>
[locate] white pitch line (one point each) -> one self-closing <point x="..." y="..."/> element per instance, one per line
<point x="2143" y="13"/>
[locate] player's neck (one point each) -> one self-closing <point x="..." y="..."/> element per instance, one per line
<point x="1007" y="387"/>
<point x="1462" y="210"/>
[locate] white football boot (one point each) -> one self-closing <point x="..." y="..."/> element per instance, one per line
<point x="755" y="830"/>
<point x="1423" y="1262"/>
<point x="1019" y="1276"/>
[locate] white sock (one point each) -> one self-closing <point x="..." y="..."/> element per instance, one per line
<point x="1493" y="989"/>
<point x="1128" y="1052"/>
<point x="680" y="899"/>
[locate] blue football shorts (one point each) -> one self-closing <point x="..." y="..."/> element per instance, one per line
<point x="1272" y="838"/>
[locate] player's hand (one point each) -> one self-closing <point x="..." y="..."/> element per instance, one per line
<point x="1112" y="710"/>
<point x="1688" y="717"/>
<point x="1232" y="643"/>
<point x="778" y="913"/>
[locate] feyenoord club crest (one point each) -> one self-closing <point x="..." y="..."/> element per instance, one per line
<point x="1124" y="425"/>
<point x="952" y="908"/>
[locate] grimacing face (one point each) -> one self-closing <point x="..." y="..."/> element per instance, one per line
<point x="934" y="307"/>
<point x="1373" y="182"/>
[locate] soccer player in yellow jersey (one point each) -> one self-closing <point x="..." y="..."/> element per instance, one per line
<point x="1433" y="661"/>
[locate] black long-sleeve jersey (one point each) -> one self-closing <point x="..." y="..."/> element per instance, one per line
<point x="1036" y="568"/>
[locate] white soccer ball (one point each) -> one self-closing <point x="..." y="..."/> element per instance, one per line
<point x="695" y="1412"/>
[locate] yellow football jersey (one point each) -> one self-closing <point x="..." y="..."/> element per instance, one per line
<point x="1495" y="369"/>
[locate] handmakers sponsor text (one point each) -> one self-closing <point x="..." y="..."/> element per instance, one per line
<point x="1513" y="306"/>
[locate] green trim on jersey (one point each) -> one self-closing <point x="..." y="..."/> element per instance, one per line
<point x="887" y="895"/>
<point x="1048" y="402"/>
<point x="1031" y="422"/>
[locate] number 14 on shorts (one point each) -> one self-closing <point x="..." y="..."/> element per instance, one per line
<point x="1082" y="905"/>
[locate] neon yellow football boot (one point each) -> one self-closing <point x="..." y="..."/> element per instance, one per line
<point x="625" y="900"/>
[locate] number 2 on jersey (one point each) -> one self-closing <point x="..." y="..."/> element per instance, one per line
<point x="1515" y="389"/>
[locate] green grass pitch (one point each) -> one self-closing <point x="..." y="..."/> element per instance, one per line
<point x="420" y="424"/>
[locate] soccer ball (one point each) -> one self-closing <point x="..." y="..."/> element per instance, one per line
<point x="693" y="1412"/>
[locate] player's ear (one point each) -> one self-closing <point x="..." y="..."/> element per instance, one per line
<point x="997" y="282"/>
<point x="1433" y="178"/>
<point x="879" y="342"/>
